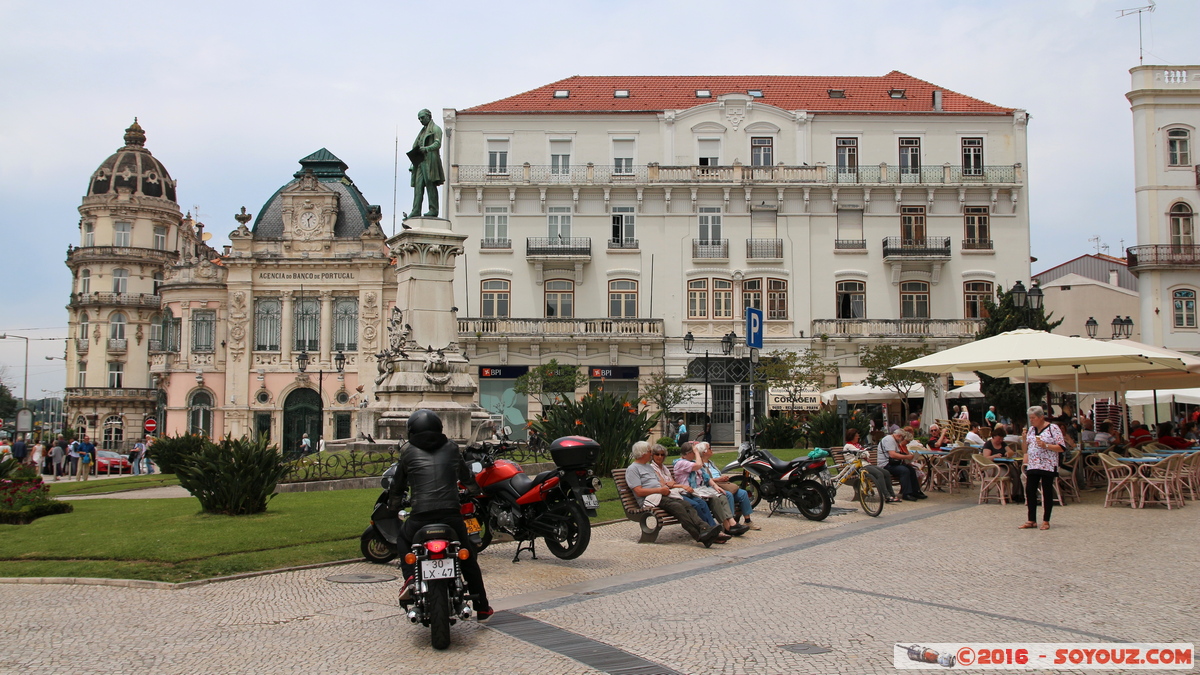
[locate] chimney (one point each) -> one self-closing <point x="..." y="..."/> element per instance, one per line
<point x="937" y="100"/>
<point x="1114" y="277"/>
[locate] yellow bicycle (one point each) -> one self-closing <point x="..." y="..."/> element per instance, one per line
<point x="869" y="494"/>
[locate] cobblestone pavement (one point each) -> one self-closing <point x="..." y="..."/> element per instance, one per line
<point x="942" y="570"/>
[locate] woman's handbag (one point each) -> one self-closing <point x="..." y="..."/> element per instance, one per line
<point x="706" y="492"/>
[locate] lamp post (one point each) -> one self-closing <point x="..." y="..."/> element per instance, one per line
<point x="1026" y="300"/>
<point x="689" y="341"/>
<point x="1091" y="326"/>
<point x="339" y="362"/>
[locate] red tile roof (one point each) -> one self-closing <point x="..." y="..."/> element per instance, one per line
<point x="594" y="94"/>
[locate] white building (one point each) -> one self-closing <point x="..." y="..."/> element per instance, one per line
<point x="610" y="216"/>
<point x="1166" y="260"/>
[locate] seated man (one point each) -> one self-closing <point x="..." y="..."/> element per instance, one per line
<point x="1104" y="437"/>
<point x="1138" y="433"/>
<point x="647" y="491"/>
<point x="687" y="470"/>
<point x="1167" y="437"/>
<point x="658" y="455"/>
<point x="973" y="437"/>
<point x="894" y="457"/>
<point x="1088" y="435"/>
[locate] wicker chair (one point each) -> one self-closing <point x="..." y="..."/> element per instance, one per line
<point x="1191" y="476"/>
<point x="1122" y="480"/>
<point x="1068" y="483"/>
<point x="1161" y="479"/>
<point x="1134" y="452"/>
<point x="992" y="477"/>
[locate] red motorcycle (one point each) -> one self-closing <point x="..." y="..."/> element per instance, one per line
<point x="553" y="505"/>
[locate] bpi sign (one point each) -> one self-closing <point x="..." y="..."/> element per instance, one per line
<point x="754" y="328"/>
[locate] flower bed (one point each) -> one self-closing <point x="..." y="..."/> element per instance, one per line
<point x="23" y="501"/>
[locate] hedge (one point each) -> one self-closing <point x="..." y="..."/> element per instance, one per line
<point x="28" y="514"/>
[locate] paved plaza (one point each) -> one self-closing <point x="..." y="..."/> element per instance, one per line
<point x="942" y="570"/>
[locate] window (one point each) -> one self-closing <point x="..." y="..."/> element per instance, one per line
<point x="122" y="234"/>
<point x="498" y="156"/>
<point x="114" y="433"/>
<point x="978" y="232"/>
<point x="116" y="326"/>
<point x="1179" y="150"/>
<point x="850" y="225"/>
<point x="160" y="238"/>
<point x="1182" y="233"/>
<point x="914" y="300"/>
<point x="851" y="300"/>
<point x="85" y="281"/>
<point x="722" y="299"/>
<point x="910" y="157"/>
<point x="495" y="227"/>
<point x="89" y="234"/>
<point x="847" y="155"/>
<point x="200" y="413"/>
<point x="83" y="326"/>
<point x="560" y="299"/>
<point x="703" y="93"/>
<point x="698" y="299"/>
<point x="710" y="152"/>
<point x="621" y="93"/>
<point x="345" y="325"/>
<point x="912" y="225"/>
<point x="116" y="375"/>
<point x="560" y="157"/>
<point x="836" y="93"/>
<point x="307" y="324"/>
<point x="558" y="223"/>
<point x="156" y="332"/>
<point x="622" y="299"/>
<point x="81" y="374"/>
<point x="1185" y="308"/>
<point x="975" y="294"/>
<point x="777" y="299"/>
<point x="172" y="330"/>
<point x="761" y="151"/>
<point x="623" y="156"/>
<point x="562" y="93"/>
<point x="710" y="225"/>
<point x="204" y="330"/>
<point x="341" y="424"/>
<point x="120" y="279"/>
<point x="756" y="93"/>
<point x="622" y="227"/>
<point x="972" y="156"/>
<point x="268" y="313"/>
<point x="262" y="424"/>
<point x="495" y="298"/>
<point x="752" y="294"/>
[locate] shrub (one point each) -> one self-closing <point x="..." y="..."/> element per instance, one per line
<point x="23" y="500"/>
<point x="778" y="432"/>
<point x="824" y="429"/>
<point x="615" y="423"/>
<point x="669" y="444"/>
<point x="168" y="451"/>
<point x="237" y="477"/>
<point x="32" y="512"/>
<point x="8" y="467"/>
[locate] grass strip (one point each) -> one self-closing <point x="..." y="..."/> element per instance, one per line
<point x="72" y="487"/>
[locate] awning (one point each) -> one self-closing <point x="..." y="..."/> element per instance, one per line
<point x="972" y="390"/>
<point x="848" y="375"/>
<point x="782" y="399"/>
<point x="696" y="405"/>
<point x="861" y="393"/>
<point x="963" y="379"/>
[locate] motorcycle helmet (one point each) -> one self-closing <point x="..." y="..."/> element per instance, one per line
<point x="424" y="420"/>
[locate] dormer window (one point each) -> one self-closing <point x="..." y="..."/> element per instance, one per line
<point x="837" y="93"/>
<point x="896" y="93"/>
<point x="703" y="93"/>
<point x="562" y="93"/>
<point x="621" y="93"/>
<point x="756" y="93"/>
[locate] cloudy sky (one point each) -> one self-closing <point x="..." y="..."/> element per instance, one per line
<point x="232" y="93"/>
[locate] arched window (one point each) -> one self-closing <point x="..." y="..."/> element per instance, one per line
<point x="85" y="281"/>
<point x="1185" y="308"/>
<point x="975" y="293"/>
<point x="114" y="433"/>
<point x="116" y="326"/>
<point x="120" y="281"/>
<point x="267" y="314"/>
<point x="914" y="300"/>
<point x="698" y="299"/>
<point x="1182" y="233"/>
<point x="622" y="299"/>
<point x="158" y="281"/>
<point x="560" y="299"/>
<point x="851" y="300"/>
<point x="1179" y="150"/>
<point x="494" y="298"/>
<point x="345" y="324"/>
<point x="200" y="413"/>
<point x="83" y="326"/>
<point x="777" y="304"/>
<point x="80" y="426"/>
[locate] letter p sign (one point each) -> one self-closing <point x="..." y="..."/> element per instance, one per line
<point x="754" y="328"/>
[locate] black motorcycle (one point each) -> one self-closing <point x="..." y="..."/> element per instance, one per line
<point x="380" y="542"/>
<point x="765" y="476"/>
<point x="438" y="597"/>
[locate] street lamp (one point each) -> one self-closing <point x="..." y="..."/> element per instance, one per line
<point x="1018" y="295"/>
<point x="727" y="341"/>
<point x="339" y="362"/>
<point x="1091" y="325"/>
<point x="1035" y="297"/>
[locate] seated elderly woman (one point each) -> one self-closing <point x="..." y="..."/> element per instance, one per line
<point x="648" y="492"/>
<point x="687" y="469"/>
<point x="738" y="498"/>
<point x="658" y="455"/>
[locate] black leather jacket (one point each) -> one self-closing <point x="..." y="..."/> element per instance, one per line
<point x="432" y="466"/>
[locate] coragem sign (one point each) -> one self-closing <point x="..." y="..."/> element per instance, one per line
<point x="782" y="399"/>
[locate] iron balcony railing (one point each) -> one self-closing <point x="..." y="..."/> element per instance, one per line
<point x="575" y="174"/>
<point x="977" y="244"/>
<point x="117" y="345"/>
<point x="81" y="253"/>
<point x="558" y="246"/>
<point x="626" y="243"/>
<point x="495" y="243"/>
<point x="156" y="345"/>
<point x="1162" y="255"/>
<point x="925" y="247"/>
<point x="128" y="393"/>
<point x="957" y="328"/>
<point x="128" y="299"/>
<point x="850" y="244"/>
<point x="710" y="248"/>
<point x="764" y="248"/>
<point x="503" y="326"/>
<point x="81" y="345"/>
<point x="603" y="174"/>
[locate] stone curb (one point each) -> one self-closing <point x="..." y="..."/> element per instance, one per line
<point x="165" y="585"/>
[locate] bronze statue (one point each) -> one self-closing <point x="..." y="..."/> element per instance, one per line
<point x="426" y="167"/>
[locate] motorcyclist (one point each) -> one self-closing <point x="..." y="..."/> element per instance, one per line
<point x="431" y="465"/>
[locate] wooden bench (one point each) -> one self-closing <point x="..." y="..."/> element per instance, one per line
<point x="641" y="516"/>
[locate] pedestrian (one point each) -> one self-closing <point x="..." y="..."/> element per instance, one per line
<point x="58" y="454"/>
<point x="135" y="457"/>
<point x="86" y="454"/>
<point x="682" y="436"/>
<point x="305" y="445"/>
<point x="146" y="455"/>
<point x="20" y="450"/>
<point x="1043" y="443"/>
<point x="990" y="416"/>
<point x="35" y="457"/>
<point x="73" y="458"/>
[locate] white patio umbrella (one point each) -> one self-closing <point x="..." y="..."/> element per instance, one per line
<point x="973" y="390"/>
<point x="935" y="405"/>
<point x="1189" y="396"/>
<point x="861" y="393"/>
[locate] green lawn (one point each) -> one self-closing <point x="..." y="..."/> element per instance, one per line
<point x="72" y="487"/>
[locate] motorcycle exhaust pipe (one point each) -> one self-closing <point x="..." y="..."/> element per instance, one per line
<point x="412" y="615"/>
<point x="466" y="613"/>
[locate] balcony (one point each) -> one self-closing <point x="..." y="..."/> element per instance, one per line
<point x="495" y="244"/>
<point x="710" y="249"/>
<point x="117" y="345"/>
<point x="558" y="247"/>
<point x="923" y="248"/>
<point x="79" y="394"/>
<point x="126" y="299"/>
<point x="892" y="328"/>
<point x="850" y="245"/>
<point x="81" y="345"/>
<point x="545" y="174"/>
<point x="626" y="244"/>
<point x="1162" y="256"/>
<point x="573" y="328"/>
<point x="977" y="245"/>
<point x="771" y="249"/>
<point x="119" y="254"/>
<point x="156" y="345"/>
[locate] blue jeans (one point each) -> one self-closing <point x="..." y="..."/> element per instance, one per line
<point x="702" y="509"/>
<point x="137" y="466"/>
<point x="149" y="467"/>
<point x="742" y="502"/>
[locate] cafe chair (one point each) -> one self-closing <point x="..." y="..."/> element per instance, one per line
<point x="1068" y="485"/>
<point x="992" y="477"/>
<point x="1160" y="481"/>
<point x="1124" y="483"/>
<point x="1191" y="476"/>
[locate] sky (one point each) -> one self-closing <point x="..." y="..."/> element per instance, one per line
<point x="231" y="94"/>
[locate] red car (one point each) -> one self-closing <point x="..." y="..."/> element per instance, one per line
<point x="111" y="462"/>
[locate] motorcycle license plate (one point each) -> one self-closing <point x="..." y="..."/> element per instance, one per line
<point x="590" y="501"/>
<point x="437" y="569"/>
<point x="472" y="525"/>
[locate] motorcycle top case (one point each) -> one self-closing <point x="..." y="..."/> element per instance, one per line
<point x="574" y="452"/>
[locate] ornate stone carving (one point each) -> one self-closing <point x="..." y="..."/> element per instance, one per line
<point x="368" y="319"/>
<point x="735" y="116"/>
<point x="238" y="317"/>
<point x="138" y="334"/>
<point x="437" y="368"/>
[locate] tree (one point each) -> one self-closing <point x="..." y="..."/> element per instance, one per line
<point x="880" y="359"/>
<point x="667" y="393"/>
<point x="1002" y="317"/>
<point x="795" y="372"/>
<point x="8" y="403"/>
<point x="551" y="382"/>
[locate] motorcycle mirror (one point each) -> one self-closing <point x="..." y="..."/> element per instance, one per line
<point x="507" y="431"/>
<point x="476" y="467"/>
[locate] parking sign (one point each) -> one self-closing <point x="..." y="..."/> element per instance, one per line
<point x="754" y="328"/>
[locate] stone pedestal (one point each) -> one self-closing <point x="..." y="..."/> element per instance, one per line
<point x="422" y="366"/>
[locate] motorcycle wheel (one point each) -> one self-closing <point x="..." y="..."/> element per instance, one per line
<point x="439" y="614"/>
<point x="750" y="486"/>
<point x="579" y="535"/>
<point x="870" y="496"/>
<point x="485" y="534"/>
<point x="375" y="548"/>
<point x="811" y="500"/>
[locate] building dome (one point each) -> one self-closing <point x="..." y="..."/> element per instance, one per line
<point x="133" y="168"/>
<point x="353" y="212"/>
